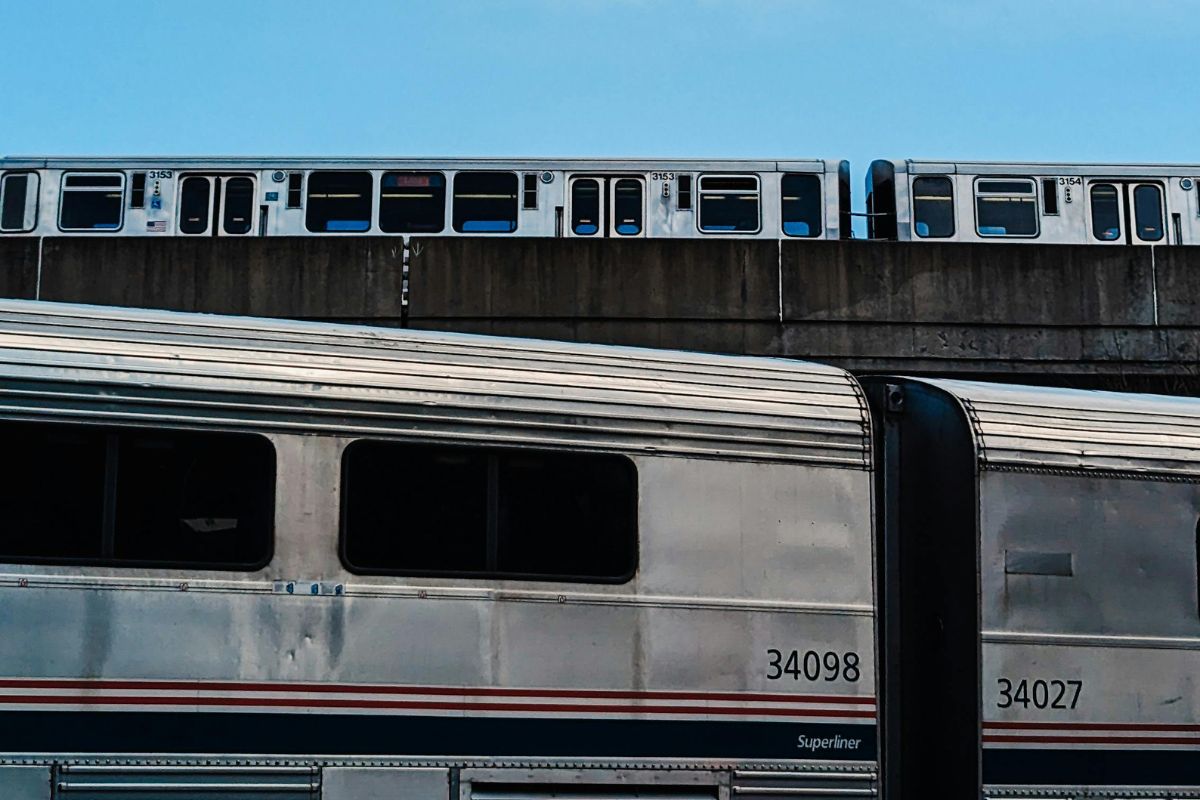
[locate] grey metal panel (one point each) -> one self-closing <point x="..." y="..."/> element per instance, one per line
<point x="25" y="782"/>
<point x="1036" y="427"/>
<point x="123" y="365"/>
<point x="217" y="782"/>
<point x="384" y="783"/>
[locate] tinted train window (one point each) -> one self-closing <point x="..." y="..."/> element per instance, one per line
<point x="1050" y="196"/>
<point x="338" y="202"/>
<point x="933" y="207"/>
<point x="488" y="513"/>
<point x="412" y="202"/>
<point x="18" y="202"/>
<point x="728" y="204"/>
<point x="194" y="203"/>
<point x="138" y="497"/>
<point x="91" y="202"/>
<point x="239" y="205"/>
<point x="585" y="207"/>
<point x="802" y="205"/>
<point x="1147" y="212"/>
<point x="485" y="202"/>
<point x="1006" y="208"/>
<point x="1106" y="212"/>
<point x="627" y="207"/>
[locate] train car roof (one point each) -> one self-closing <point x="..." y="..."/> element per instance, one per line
<point x="93" y="363"/>
<point x="1023" y="427"/>
<point x="1049" y="169"/>
<point x="410" y="162"/>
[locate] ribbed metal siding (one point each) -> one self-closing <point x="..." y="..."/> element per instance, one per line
<point x="1034" y="427"/>
<point x="113" y="782"/>
<point x="131" y="365"/>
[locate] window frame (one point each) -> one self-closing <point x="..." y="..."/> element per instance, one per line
<point x="383" y="176"/>
<point x="949" y="179"/>
<point x="489" y="451"/>
<point x="37" y="198"/>
<point x="820" y="232"/>
<point x="1034" y="193"/>
<point x="699" y="200"/>
<point x="1118" y="194"/>
<point x="306" y="195"/>
<point x="516" y="200"/>
<point x="1135" y="218"/>
<point x="62" y="191"/>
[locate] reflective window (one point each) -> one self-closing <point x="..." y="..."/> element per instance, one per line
<point x="933" y="207"/>
<point x="137" y="191"/>
<point x="627" y="207"/>
<point x="802" y="205"/>
<point x="1050" y="196"/>
<point x="18" y="202"/>
<point x="684" y="193"/>
<point x="338" y="202"/>
<point x="91" y="202"/>
<point x="412" y="202"/>
<point x="1006" y="207"/>
<point x="585" y="206"/>
<point x="137" y="497"/>
<point x="728" y="204"/>
<point x="1147" y="212"/>
<point x="238" y="213"/>
<point x="485" y="512"/>
<point x="195" y="204"/>
<point x="529" y="191"/>
<point x="1106" y="212"/>
<point x="485" y="202"/>
<point x="295" y="184"/>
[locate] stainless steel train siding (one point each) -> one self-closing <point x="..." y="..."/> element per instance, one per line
<point x="736" y="660"/>
<point x="1068" y="630"/>
<point x="585" y="198"/>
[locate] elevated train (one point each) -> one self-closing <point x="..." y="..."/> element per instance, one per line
<point x="256" y="558"/>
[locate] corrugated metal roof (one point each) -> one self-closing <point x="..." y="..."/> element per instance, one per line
<point x="1036" y="427"/>
<point x="126" y="365"/>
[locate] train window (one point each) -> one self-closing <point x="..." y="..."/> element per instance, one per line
<point x="1147" y="212"/>
<point x="478" y="512"/>
<point x="685" y="192"/>
<point x="295" y="184"/>
<point x="485" y="202"/>
<point x="1006" y="207"/>
<point x="139" y="497"/>
<point x="627" y="207"/>
<point x="1050" y="196"/>
<point x="728" y="204"/>
<point x="339" y="202"/>
<point x="195" y="201"/>
<point x="529" y="191"/>
<point x="585" y="207"/>
<point x="239" y="205"/>
<point x="91" y="202"/>
<point x="802" y="205"/>
<point x="1106" y="212"/>
<point x="137" y="190"/>
<point x="412" y="202"/>
<point x="18" y="202"/>
<point x="933" y="207"/>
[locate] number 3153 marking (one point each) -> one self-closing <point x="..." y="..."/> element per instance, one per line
<point x="1038" y="693"/>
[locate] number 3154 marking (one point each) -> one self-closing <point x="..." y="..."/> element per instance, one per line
<point x="1038" y="693"/>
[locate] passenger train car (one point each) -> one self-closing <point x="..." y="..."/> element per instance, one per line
<point x="1105" y="204"/>
<point x="588" y="198"/>
<point x="280" y="560"/>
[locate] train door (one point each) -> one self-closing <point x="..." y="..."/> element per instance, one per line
<point x="601" y="206"/>
<point x="216" y="205"/>
<point x="1127" y="212"/>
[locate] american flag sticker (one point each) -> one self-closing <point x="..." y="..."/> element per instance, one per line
<point x="156" y="226"/>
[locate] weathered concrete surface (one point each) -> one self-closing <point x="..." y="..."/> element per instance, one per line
<point x="18" y="267"/>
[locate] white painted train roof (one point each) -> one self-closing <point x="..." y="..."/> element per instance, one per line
<point x="1038" y="427"/>
<point x="410" y="162"/>
<point x="1052" y="169"/>
<point x="92" y="363"/>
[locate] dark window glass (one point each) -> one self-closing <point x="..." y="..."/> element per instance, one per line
<point x="91" y="203"/>
<point x="802" y="205"/>
<point x="1106" y="212"/>
<point x="137" y="192"/>
<point x="933" y="207"/>
<point x="483" y="512"/>
<point x="295" y="182"/>
<point x="12" y="215"/>
<point x="412" y="202"/>
<point x="1004" y="187"/>
<point x="195" y="204"/>
<point x="1147" y="212"/>
<point x="485" y="202"/>
<point x="728" y="204"/>
<point x="585" y="207"/>
<point x="1050" y="196"/>
<point x="1006" y="208"/>
<point x="339" y="202"/>
<point x="529" y="192"/>
<point x="685" y="192"/>
<point x="136" y="497"/>
<point x="627" y="207"/>
<point x="239" y="205"/>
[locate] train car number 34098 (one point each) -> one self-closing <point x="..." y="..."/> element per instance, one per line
<point x="813" y="666"/>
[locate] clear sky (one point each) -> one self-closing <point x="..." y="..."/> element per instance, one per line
<point x="1077" y="80"/>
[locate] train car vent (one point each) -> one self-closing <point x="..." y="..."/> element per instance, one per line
<point x="295" y="184"/>
<point x="137" y="194"/>
<point x="1050" y="196"/>
<point x="815" y="784"/>
<point x="575" y="791"/>
<point x="529" y="192"/>
<point x="135" y="782"/>
<point x="685" y="192"/>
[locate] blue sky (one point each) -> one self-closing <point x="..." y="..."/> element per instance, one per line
<point x="1106" y="80"/>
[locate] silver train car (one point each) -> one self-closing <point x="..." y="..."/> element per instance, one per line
<point x="1038" y="601"/>
<point x="585" y="198"/>
<point x="277" y="560"/>
<point x="1105" y="204"/>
